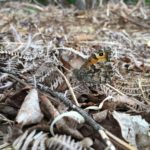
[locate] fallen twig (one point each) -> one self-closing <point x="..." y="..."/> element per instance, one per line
<point x="91" y="122"/>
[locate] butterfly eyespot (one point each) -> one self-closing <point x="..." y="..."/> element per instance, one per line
<point x="101" y="54"/>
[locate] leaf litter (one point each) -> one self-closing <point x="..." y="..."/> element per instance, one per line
<point x="37" y="41"/>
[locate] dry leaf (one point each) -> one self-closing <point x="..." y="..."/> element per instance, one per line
<point x="131" y="126"/>
<point x="30" y="112"/>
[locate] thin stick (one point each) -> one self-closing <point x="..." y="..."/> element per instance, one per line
<point x="70" y="88"/>
<point x="102" y="131"/>
<point x="116" y="90"/>
<point x="86" y="116"/>
<point x="119" y="142"/>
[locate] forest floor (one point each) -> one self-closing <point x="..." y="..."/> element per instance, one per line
<point x="45" y="104"/>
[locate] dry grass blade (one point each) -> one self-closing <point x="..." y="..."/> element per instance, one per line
<point x="116" y="90"/>
<point x="70" y="88"/>
<point x="3" y="118"/>
<point x="71" y="114"/>
<point x="33" y="6"/>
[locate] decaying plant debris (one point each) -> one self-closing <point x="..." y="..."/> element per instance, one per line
<point x="44" y="105"/>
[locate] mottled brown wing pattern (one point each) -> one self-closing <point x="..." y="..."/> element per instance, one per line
<point x="97" y="69"/>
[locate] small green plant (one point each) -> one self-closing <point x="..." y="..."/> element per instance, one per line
<point x="71" y="1"/>
<point x="148" y="1"/>
<point x="135" y="1"/>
